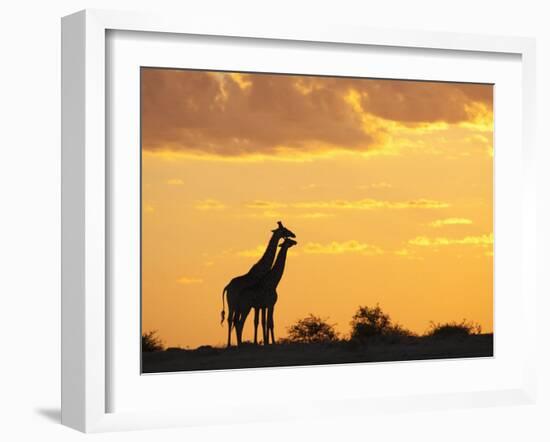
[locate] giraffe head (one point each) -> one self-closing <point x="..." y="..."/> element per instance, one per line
<point x="288" y="243"/>
<point x="282" y="231"/>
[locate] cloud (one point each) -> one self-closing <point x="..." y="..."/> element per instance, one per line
<point x="315" y="215"/>
<point x="184" y="280"/>
<point x="322" y="209"/>
<point x="421" y="102"/>
<point x="402" y="252"/>
<point x="265" y="205"/>
<point x="363" y="204"/>
<point x="209" y="204"/>
<point x="408" y="254"/>
<point x="338" y="248"/>
<point x="269" y="208"/>
<point x="380" y="185"/>
<point x="241" y="115"/>
<point x="210" y="113"/>
<point x="270" y="214"/>
<point x="175" y="182"/>
<point x="371" y="204"/>
<point x="450" y="222"/>
<point x="482" y="240"/>
<point x="351" y="246"/>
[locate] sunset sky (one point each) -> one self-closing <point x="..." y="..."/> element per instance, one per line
<point x="387" y="184"/>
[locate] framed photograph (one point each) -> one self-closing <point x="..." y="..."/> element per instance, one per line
<point x="334" y="157"/>
<point x="249" y="205"/>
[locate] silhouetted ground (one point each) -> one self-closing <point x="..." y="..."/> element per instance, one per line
<point x="287" y="354"/>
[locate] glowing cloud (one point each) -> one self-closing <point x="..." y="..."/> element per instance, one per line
<point x="381" y="185"/>
<point x="363" y="204"/>
<point x="270" y="214"/>
<point x="450" y="222"/>
<point x="315" y="215"/>
<point x="269" y="207"/>
<point x="423" y="241"/>
<point x="407" y="254"/>
<point x="265" y="205"/>
<point x="242" y="115"/>
<point x="402" y="252"/>
<point x="210" y="204"/>
<point x="338" y="248"/>
<point x="371" y="204"/>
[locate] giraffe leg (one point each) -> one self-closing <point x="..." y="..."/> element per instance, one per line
<point x="240" y="324"/>
<point x="256" y="319"/>
<point x="229" y="325"/>
<point x="264" y="327"/>
<point x="270" y="324"/>
<point x="237" y="322"/>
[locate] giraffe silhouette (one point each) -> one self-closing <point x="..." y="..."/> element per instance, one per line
<point x="262" y="296"/>
<point x="255" y="274"/>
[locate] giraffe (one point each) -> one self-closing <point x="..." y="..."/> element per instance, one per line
<point x="262" y="296"/>
<point x="256" y="272"/>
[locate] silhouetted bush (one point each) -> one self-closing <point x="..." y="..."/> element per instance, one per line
<point x="398" y="330"/>
<point x="373" y="323"/>
<point x="311" y="329"/>
<point x="396" y="333"/>
<point x="453" y="329"/>
<point x="151" y="342"/>
<point x="368" y="322"/>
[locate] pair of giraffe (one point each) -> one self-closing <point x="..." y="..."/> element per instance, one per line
<point x="257" y="289"/>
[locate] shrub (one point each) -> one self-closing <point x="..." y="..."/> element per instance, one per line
<point x="310" y="330"/>
<point x="398" y="331"/>
<point x="397" y="335"/>
<point x="453" y="329"/>
<point x="151" y="342"/>
<point x="372" y="322"/>
<point x="368" y="322"/>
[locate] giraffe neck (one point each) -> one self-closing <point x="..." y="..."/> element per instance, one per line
<point x="265" y="262"/>
<point x="278" y="268"/>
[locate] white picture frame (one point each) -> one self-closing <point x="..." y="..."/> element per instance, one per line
<point x="86" y="204"/>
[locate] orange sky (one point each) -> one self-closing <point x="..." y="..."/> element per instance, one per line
<point x="387" y="184"/>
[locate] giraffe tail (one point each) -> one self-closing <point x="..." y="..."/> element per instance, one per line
<point x="223" y="306"/>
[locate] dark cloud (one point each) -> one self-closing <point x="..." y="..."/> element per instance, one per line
<point x="212" y="113"/>
<point x="421" y="102"/>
